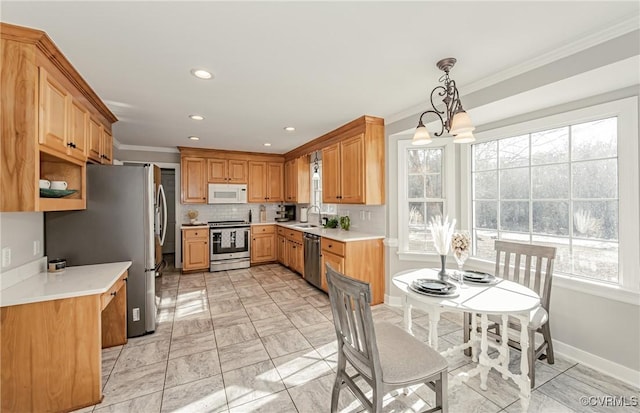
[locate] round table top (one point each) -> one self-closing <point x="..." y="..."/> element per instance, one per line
<point x="503" y="297"/>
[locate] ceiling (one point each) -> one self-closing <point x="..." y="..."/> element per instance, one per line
<point x="311" y="65"/>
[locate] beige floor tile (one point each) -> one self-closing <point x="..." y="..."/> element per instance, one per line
<point x="206" y="395"/>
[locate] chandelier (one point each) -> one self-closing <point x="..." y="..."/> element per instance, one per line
<point x="453" y="118"/>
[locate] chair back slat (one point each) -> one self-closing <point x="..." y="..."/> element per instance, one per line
<point x="350" y="305"/>
<point x="537" y="270"/>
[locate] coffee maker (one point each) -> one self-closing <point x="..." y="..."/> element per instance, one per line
<point x="286" y="213"/>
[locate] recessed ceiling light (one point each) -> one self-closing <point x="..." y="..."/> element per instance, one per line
<point x="194" y="138"/>
<point x="289" y="128"/>
<point x="267" y="144"/>
<point x="201" y="74"/>
<point x="196" y="117"/>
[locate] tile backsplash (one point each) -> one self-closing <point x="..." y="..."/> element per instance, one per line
<point x="364" y="218"/>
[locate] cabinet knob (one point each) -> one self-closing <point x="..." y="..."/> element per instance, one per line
<point x="114" y="293"/>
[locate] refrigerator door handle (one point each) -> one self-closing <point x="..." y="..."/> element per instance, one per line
<point x="163" y="228"/>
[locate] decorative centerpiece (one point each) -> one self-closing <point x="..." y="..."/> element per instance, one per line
<point x="441" y="231"/>
<point x="460" y="246"/>
<point x="193" y="216"/>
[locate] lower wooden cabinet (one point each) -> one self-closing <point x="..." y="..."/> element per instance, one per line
<point x="362" y="260"/>
<point x="263" y="244"/>
<point x="291" y="249"/>
<point x="283" y="256"/>
<point x="195" y="249"/>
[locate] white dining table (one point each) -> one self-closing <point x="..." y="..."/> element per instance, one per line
<point x="503" y="298"/>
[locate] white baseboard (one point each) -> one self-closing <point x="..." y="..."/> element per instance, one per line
<point x="392" y="301"/>
<point x="605" y="366"/>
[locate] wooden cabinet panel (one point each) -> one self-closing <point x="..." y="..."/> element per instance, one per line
<point x="194" y="184"/>
<point x="195" y="249"/>
<point x="114" y="315"/>
<point x="237" y="171"/>
<point x="336" y="262"/>
<point x="78" y="131"/>
<point x="283" y="256"/>
<point x="54" y="113"/>
<point x="296" y="180"/>
<point x="266" y="182"/>
<point x="50" y="355"/>
<point x="331" y="174"/>
<point x="217" y="171"/>
<point x="106" y="157"/>
<point x="352" y="170"/>
<point x="94" y="144"/>
<point x="257" y="191"/>
<point x="275" y="182"/>
<point x="298" y="251"/>
<point x="263" y="248"/>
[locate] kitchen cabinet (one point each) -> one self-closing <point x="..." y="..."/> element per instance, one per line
<point x="78" y="131"/>
<point x="194" y="180"/>
<point x="282" y="255"/>
<point x="296" y="180"/>
<point x="266" y="181"/>
<point x="94" y="150"/>
<point x="51" y="346"/>
<point x="263" y="244"/>
<point x="195" y="249"/>
<point x="362" y="260"/>
<point x="227" y="171"/>
<point x="106" y="158"/>
<point x="44" y="117"/>
<point x="345" y="172"/>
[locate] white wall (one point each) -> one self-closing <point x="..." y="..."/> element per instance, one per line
<point x="18" y="231"/>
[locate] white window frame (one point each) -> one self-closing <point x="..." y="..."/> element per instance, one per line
<point x="626" y="110"/>
<point x="448" y="192"/>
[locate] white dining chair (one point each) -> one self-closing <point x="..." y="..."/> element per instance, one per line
<point x="384" y="356"/>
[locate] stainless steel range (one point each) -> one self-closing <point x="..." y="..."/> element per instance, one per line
<point x="230" y="243"/>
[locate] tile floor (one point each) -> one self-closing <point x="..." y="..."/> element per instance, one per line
<point x="262" y="340"/>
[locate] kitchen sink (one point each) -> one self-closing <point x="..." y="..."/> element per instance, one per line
<point x="305" y="225"/>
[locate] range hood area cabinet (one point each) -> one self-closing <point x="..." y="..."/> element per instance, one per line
<point x="51" y="122"/>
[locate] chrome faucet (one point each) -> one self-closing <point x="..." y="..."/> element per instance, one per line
<point x="319" y="213"/>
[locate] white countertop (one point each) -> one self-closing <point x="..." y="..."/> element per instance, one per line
<point x="331" y="233"/>
<point x="194" y="226"/>
<point x="72" y="282"/>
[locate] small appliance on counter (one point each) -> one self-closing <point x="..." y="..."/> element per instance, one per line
<point x="286" y="213"/>
<point x="263" y="213"/>
<point x="304" y="214"/>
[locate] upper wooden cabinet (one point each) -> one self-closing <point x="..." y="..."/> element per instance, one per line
<point x="78" y="131"/>
<point x="296" y="180"/>
<point x="227" y="171"/>
<point x="194" y="180"/>
<point x="107" y="148"/>
<point x="353" y="162"/>
<point x="94" y="146"/>
<point x="45" y="116"/>
<point x="266" y="183"/>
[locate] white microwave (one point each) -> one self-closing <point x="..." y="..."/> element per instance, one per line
<point x="227" y="194"/>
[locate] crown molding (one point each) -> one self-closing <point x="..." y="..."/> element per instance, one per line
<point x="163" y="149"/>
<point x="621" y="28"/>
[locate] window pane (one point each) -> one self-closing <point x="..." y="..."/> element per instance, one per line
<point x="595" y="179"/>
<point x="563" y="259"/>
<point x="514" y="183"/>
<point x="595" y="219"/>
<point x="550" y="182"/>
<point x="515" y="237"/>
<point x="551" y="146"/>
<point x="593" y="140"/>
<point x="551" y="217"/>
<point x="425" y="160"/>
<point x="595" y="259"/>
<point x="514" y="216"/>
<point x="485" y="214"/>
<point x="418" y="240"/>
<point x="433" y="186"/>
<point x="483" y="243"/>
<point x="485" y="156"/>
<point x="417" y="215"/>
<point x="434" y="209"/>
<point x="416" y="186"/>
<point x="514" y="151"/>
<point x="485" y="185"/>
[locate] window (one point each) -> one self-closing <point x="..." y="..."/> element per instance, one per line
<point x="316" y="192"/>
<point x="563" y="186"/>
<point x="422" y="193"/>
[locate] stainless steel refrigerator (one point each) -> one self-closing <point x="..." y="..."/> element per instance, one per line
<point x="122" y="221"/>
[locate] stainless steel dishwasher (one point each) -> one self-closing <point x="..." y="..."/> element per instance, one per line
<point x="312" y="259"/>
